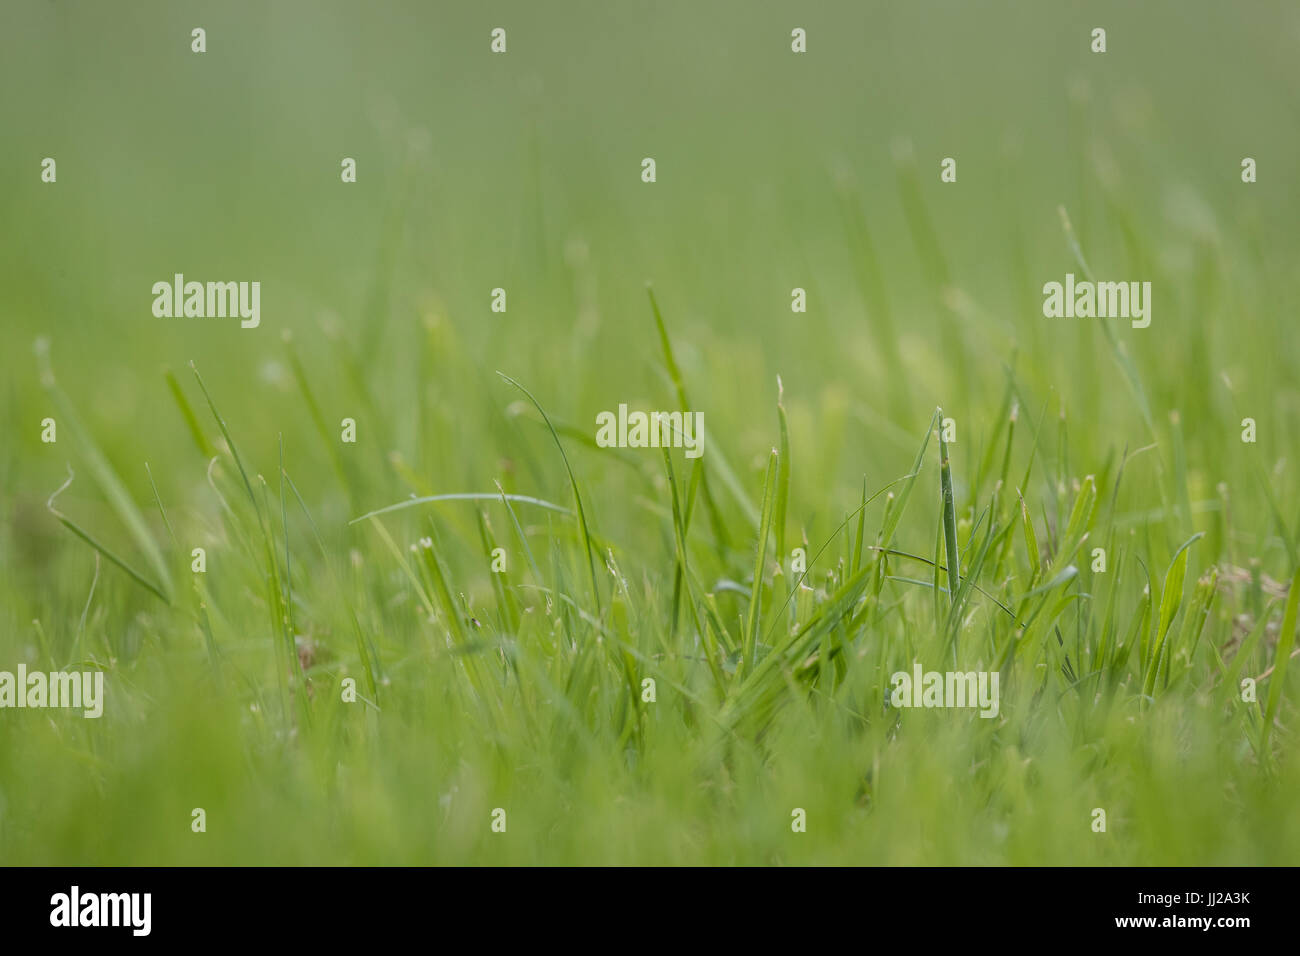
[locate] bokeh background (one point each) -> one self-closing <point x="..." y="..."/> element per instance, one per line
<point x="522" y="171"/>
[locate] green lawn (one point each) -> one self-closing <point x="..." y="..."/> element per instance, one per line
<point x="341" y="686"/>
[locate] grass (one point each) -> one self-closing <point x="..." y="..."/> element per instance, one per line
<point x="677" y="652"/>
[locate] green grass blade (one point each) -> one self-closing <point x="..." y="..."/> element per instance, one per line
<point x="783" y="473"/>
<point x="86" y="537"/>
<point x="577" y="495"/>
<point x="106" y="478"/>
<point x="1281" y="657"/>
<point x="760" y="561"/>
<point x="949" y="512"/>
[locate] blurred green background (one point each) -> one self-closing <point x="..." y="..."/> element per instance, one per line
<point x="522" y="171"/>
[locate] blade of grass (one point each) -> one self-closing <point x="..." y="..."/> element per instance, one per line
<point x="577" y="496"/>
<point x="1285" y="641"/>
<point x="760" y="559"/>
<point x="86" y="537"/>
<point x="108" y="481"/>
<point x="949" y="512"/>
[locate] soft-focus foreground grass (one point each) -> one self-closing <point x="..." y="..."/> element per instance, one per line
<point x="522" y="691"/>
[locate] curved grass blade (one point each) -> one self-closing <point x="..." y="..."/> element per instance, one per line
<point x="109" y="483"/>
<point x="463" y="496"/>
<point x="86" y="537"/>
<point x="577" y="496"/>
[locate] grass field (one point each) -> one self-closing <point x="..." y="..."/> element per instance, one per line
<point x="524" y="689"/>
